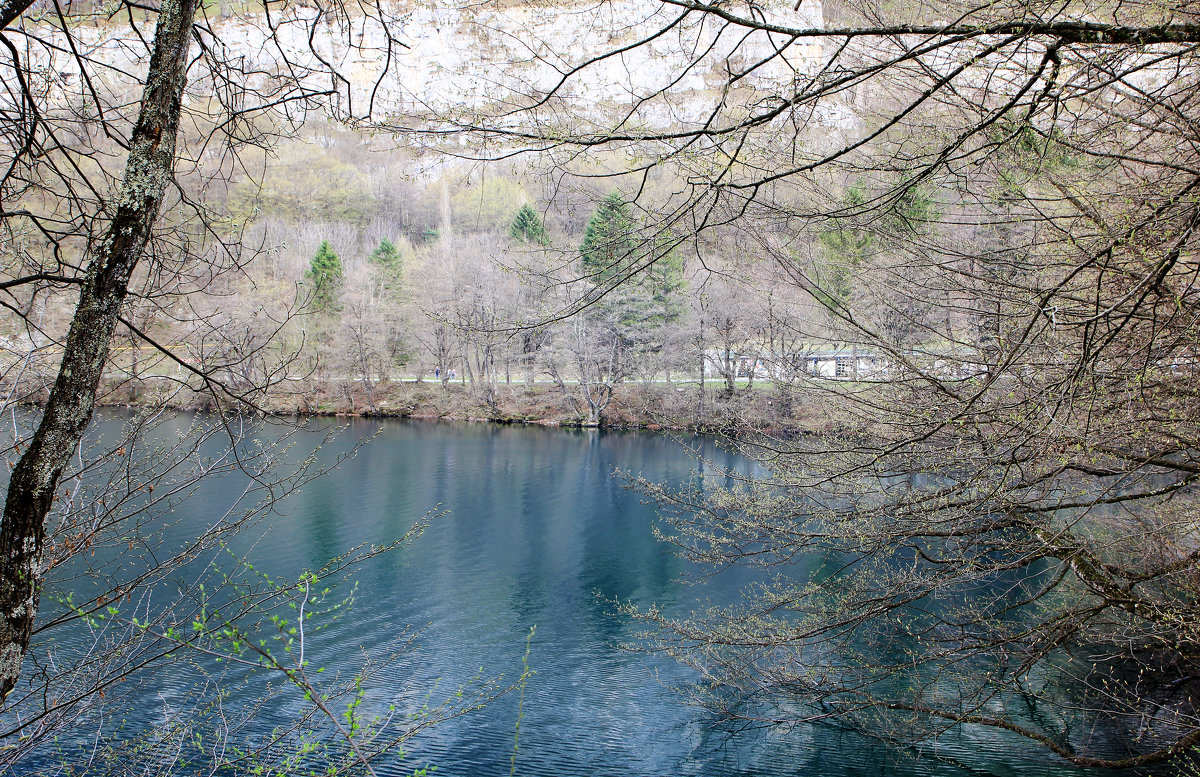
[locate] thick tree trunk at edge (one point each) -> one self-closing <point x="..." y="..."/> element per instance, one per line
<point x="69" y="409"/>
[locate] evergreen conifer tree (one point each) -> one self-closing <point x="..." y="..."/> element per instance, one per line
<point x="666" y="284"/>
<point x="325" y="275"/>
<point x="609" y="240"/>
<point x="527" y="227"/>
<point x="387" y="256"/>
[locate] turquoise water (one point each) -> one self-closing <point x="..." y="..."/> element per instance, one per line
<point x="537" y="530"/>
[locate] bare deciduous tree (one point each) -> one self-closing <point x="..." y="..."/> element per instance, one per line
<point x="1008" y="524"/>
<point x="116" y="122"/>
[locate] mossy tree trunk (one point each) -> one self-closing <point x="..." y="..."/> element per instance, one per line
<point x="102" y="294"/>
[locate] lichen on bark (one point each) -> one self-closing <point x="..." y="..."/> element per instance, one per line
<point x="72" y="399"/>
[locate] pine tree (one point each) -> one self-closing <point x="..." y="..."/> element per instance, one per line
<point x="325" y="275"/>
<point x="666" y="283"/>
<point x="609" y="241"/>
<point x="387" y="256"/>
<point x="527" y="227"/>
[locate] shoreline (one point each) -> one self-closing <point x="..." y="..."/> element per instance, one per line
<point x="679" y="406"/>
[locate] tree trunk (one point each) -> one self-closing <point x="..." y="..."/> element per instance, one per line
<point x="69" y="408"/>
<point x="703" y="373"/>
<point x="11" y="9"/>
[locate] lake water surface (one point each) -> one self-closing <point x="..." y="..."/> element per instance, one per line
<point x="539" y="531"/>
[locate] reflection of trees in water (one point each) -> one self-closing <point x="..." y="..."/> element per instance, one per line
<point x="907" y="634"/>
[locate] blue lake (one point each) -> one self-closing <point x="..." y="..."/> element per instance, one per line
<point x="538" y="531"/>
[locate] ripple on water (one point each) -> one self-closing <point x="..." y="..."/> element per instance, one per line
<point x="538" y="532"/>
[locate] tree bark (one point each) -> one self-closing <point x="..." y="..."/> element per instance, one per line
<point x="69" y="408"/>
<point x="1067" y="31"/>
<point x="11" y="9"/>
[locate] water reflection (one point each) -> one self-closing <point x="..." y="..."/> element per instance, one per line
<point x="536" y="531"/>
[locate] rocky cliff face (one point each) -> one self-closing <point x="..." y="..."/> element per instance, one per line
<point x="484" y="52"/>
<point x="454" y="59"/>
